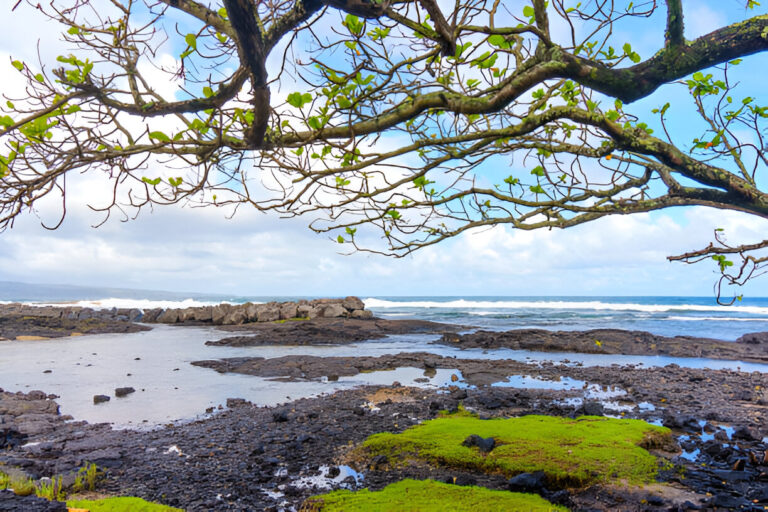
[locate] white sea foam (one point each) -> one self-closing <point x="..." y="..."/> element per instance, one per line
<point x="143" y="304"/>
<point x="716" y="319"/>
<point x="372" y="303"/>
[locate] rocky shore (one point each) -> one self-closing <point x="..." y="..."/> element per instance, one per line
<point x="750" y="347"/>
<point x="262" y="458"/>
<point x="25" y="322"/>
<point x="247" y="457"/>
<point x="326" y="331"/>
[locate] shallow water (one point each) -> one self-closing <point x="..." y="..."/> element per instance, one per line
<point x="168" y="388"/>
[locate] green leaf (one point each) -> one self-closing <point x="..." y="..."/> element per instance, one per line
<point x="191" y="40"/>
<point x="351" y="231"/>
<point x="353" y="24"/>
<point x="159" y="136"/>
<point x="340" y="239"/>
<point x="40" y="78"/>
<point x="153" y="182"/>
<point x="17" y="64"/>
<point x="207" y="92"/>
<point x="341" y="182"/>
<point x="499" y="41"/>
<point x="536" y="189"/>
<point x="298" y="100"/>
<point x="73" y="31"/>
<point x="528" y="11"/>
<point x="538" y="171"/>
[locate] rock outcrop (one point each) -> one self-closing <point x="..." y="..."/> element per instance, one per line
<point x="53" y="321"/>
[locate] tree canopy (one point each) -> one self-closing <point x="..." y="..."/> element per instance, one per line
<point x="416" y="119"/>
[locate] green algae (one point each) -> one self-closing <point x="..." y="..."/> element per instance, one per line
<point x="571" y="452"/>
<point x="120" y="504"/>
<point x="427" y="496"/>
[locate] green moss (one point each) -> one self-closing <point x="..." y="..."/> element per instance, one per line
<point x="569" y="451"/>
<point x="121" y="504"/>
<point x="294" y="319"/>
<point x="427" y="496"/>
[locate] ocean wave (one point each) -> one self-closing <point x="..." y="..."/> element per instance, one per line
<point x="373" y="303"/>
<point x="716" y="319"/>
<point x="143" y="304"/>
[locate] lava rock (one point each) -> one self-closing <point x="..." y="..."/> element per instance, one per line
<point x="593" y="408"/>
<point x="11" y="502"/>
<point x="121" y="392"/>
<point x="484" y="444"/>
<point x="527" y="482"/>
<point x="745" y="433"/>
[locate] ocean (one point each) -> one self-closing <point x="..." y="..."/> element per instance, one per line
<point x="667" y="316"/>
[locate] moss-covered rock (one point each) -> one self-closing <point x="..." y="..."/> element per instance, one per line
<point x="120" y="504"/>
<point x="571" y="452"/>
<point x="427" y="496"/>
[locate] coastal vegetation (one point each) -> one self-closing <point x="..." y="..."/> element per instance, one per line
<point x="120" y="504"/>
<point x="428" y="496"/>
<point x="397" y="125"/>
<point x="570" y="452"/>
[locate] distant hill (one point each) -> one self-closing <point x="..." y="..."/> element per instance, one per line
<point x="16" y="291"/>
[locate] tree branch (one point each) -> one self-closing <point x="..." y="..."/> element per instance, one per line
<point x="672" y="63"/>
<point x="250" y="46"/>
<point x="674" y="33"/>
<point x="202" y="13"/>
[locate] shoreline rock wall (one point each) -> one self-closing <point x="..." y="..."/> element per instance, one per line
<point x="221" y="314"/>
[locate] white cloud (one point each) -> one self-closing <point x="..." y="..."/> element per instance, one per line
<point x="254" y="254"/>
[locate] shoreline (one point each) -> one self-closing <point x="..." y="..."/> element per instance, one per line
<point x="267" y="458"/>
<point x="340" y="321"/>
<point x="249" y="457"/>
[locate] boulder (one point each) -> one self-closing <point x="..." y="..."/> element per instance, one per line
<point x="219" y="312"/>
<point x="151" y="315"/>
<point x="333" y="310"/>
<point x="593" y="408"/>
<point x="202" y="314"/>
<point x="169" y="316"/>
<point x="85" y="314"/>
<point x="70" y="313"/>
<point x="251" y="311"/>
<point x="484" y="444"/>
<point x="362" y="314"/>
<point x="267" y="313"/>
<point x="100" y="399"/>
<point x="235" y="316"/>
<point x="527" y="482"/>
<point x="121" y="392"/>
<point x="134" y="314"/>
<point x="48" y="312"/>
<point x="319" y="302"/>
<point x="353" y="303"/>
<point x="754" y="338"/>
<point x="288" y="310"/>
<point x="186" y="314"/>
<point x="304" y="310"/>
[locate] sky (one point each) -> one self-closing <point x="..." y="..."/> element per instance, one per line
<point x="202" y="250"/>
